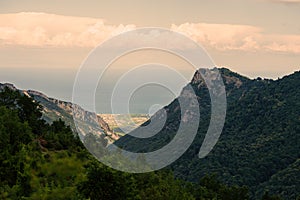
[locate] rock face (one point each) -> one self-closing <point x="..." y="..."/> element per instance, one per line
<point x="53" y="109"/>
<point x="9" y="85"/>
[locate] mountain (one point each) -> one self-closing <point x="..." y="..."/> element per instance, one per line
<point x="54" y="109"/>
<point x="39" y="160"/>
<point x="260" y="143"/>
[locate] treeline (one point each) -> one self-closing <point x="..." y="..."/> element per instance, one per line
<point x="42" y="161"/>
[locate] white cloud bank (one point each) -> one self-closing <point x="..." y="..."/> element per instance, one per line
<point x="42" y="29"/>
<point x="221" y="36"/>
<point x="224" y="37"/>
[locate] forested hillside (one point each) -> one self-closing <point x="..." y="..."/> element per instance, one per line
<point x="48" y="161"/>
<point x="260" y="143"/>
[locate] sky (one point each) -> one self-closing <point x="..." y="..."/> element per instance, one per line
<point x="42" y="42"/>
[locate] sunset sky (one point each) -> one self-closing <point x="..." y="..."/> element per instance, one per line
<point x="252" y="37"/>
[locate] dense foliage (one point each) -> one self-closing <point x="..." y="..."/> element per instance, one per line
<point x="42" y="161"/>
<point x="260" y="143"/>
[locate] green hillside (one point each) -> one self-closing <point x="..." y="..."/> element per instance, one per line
<point x="260" y="143"/>
<point x="47" y="161"/>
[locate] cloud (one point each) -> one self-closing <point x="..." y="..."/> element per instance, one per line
<point x="42" y="29"/>
<point x="282" y="43"/>
<point x="224" y="37"/>
<point x="221" y="36"/>
<point x="286" y="1"/>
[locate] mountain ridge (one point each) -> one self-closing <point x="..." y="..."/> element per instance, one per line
<point x="260" y="138"/>
<point x="53" y="109"/>
<point x="259" y="145"/>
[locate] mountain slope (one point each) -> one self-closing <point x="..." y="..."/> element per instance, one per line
<point x="260" y="139"/>
<point x="53" y="109"/>
<point x="48" y="161"/>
